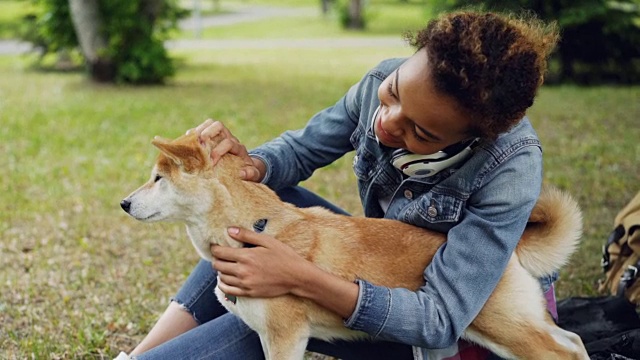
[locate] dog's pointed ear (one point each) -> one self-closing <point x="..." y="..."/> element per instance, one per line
<point x="184" y="152"/>
<point x="167" y="148"/>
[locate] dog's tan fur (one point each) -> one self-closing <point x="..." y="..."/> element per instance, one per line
<point x="513" y="323"/>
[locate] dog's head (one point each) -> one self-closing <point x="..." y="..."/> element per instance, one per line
<point x="177" y="189"/>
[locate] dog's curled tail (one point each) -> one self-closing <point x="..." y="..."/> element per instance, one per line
<point x="552" y="234"/>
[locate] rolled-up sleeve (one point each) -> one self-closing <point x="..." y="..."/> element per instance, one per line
<point x="464" y="271"/>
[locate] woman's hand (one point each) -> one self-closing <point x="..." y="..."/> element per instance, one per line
<point x="253" y="170"/>
<point x="273" y="268"/>
<point x="270" y="269"/>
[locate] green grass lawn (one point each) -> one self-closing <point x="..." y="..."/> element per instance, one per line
<point x="80" y="279"/>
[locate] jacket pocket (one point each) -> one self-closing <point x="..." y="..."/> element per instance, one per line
<point x="435" y="211"/>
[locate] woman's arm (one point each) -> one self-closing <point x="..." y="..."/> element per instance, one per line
<point x="465" y="270"/>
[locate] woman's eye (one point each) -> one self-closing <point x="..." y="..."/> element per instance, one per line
<point x="158" y="177"/>
<point x="390" y="90"/>
<point x="418" y="137"/>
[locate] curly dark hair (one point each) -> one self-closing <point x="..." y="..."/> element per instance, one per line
<point x="491" y="63"/>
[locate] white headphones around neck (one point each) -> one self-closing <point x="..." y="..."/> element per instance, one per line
<point x="428" y="165"/>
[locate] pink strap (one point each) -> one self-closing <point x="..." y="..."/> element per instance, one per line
<point x="550" y="295"/>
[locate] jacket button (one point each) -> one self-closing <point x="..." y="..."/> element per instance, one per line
<point x="408" y="194"/>
<point x="432" y="211"/>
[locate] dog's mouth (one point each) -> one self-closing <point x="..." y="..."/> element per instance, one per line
<point x="150" y="217"/>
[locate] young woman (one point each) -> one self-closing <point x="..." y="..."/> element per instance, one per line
<point x="464" y="91"/>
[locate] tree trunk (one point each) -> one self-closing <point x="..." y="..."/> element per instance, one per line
<point x="85" y="15"/>
<point x="326" y="6"/>
<point x="151" y="9"/>
<point x="355" y="15"/>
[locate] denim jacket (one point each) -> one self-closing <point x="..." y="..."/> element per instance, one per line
<point x="482" y="205"/>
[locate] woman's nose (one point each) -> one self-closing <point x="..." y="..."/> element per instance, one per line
<point x="393" y="121"/>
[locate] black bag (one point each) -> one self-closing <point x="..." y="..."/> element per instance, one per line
<point x="609" y="326"/>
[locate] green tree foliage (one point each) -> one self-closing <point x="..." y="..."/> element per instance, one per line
<point x="600" y="39"/>
<point x="50" y="28"/>
<point x="134" y="30"/>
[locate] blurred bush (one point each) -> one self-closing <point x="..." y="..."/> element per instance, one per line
<point x="132" y="31"/>
<point x="600" y="39"/>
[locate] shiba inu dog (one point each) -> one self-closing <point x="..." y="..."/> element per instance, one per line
<point x="514" y="323"/>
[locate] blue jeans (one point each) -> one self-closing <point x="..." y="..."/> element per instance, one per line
<point x="221" y="335"/>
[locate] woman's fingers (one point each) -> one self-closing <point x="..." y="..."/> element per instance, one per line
<point x="228" y="143"/>
<point x="230" y="289"/>
<point x="200" y="128"/>
<point x="232" y="146"/>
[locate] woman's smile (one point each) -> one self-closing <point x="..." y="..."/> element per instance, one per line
<point x="384" y="137"/>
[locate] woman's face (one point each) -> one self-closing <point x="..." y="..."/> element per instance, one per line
<point x="413" y="115"/>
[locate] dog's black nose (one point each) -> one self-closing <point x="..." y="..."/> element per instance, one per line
<point x="126" y="205"/>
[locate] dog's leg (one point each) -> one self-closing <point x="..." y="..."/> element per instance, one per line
<point x="285" y="341"/>
<point x="531" y="341"/>
<point x="515" y="324"/>
<point x="286" y="349"/>
<point x="265" y="346"/>
<point x="288" y="330"/>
